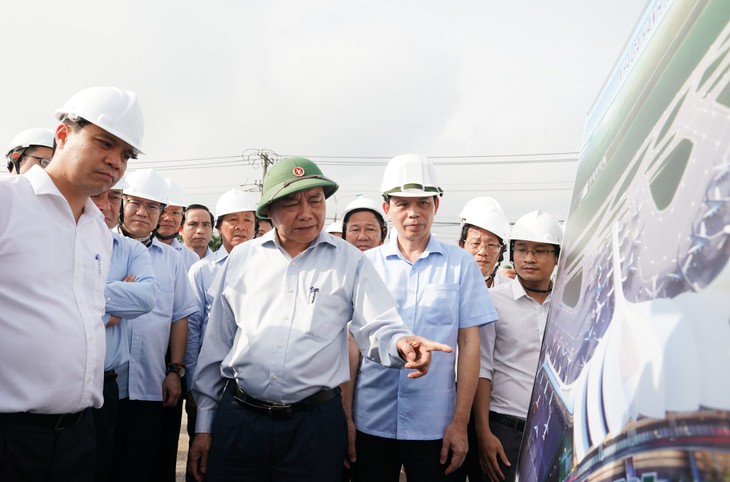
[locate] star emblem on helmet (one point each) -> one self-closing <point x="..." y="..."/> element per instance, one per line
<point x="298" y="171"/>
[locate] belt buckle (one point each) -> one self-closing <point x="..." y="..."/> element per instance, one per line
<point x="61" y="426"/>
<point x="279" y="410"/>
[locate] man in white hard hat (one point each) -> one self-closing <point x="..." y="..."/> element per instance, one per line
<point x="441" y="295"/>
<point x="29" y="148"/>
<point x="52" y="293"/>
<point x="171" y="222"/>
<point x="235" y="213"/>
<point x="484" y="235"/>
<point x="148" y="384"/>
<point x="363" y="224"/>
<point x="197" y="229"/>
<point x="131" y="291"/>
<point x="510" y="349"/>
<point x="275" y="349"/>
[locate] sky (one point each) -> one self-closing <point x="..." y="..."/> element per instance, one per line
<point x="496" y="93"/>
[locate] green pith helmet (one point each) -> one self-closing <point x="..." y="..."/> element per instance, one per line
<point x="292" y="175"/>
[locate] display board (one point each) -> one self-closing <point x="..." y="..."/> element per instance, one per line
<point x="633" y="382"/>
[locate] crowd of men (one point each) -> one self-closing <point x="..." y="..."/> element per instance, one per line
<point x="298" y="353"/>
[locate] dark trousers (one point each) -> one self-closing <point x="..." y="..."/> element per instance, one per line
<point x="139" y="426"/>
<point x="32" y="453"/>
<point x="471" y="467"/>
<point x="511" y="440"/>
<point x="165" y="464"/>
<point x="105" y="421"/>
<point x="380" y="459"/>
<point x="309" y="445"/>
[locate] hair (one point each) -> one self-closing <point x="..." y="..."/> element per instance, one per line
<point x="198" y="206"/>
<point x="381" y="221"/>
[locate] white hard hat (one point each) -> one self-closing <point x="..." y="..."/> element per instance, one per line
<point x="538" y="227"/>
<point x="486" y="213"/>
<point x="31" y="137"/>
<point x="114" y="110"/>
<point x="234" y="201"/>
<point x="175" y="193"/>
<point x="410" y="175"/>
<point x="335" y="227"/>
<point x="362" y="202"/>
<point x="121" y="184"/>
<point x="147" y="184"/>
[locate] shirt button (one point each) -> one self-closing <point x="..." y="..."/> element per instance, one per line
<point x="279" y="345"/>
<point x="410" y="317"/>
<point x="274" y="377"/>
<point x="289" y="290"/>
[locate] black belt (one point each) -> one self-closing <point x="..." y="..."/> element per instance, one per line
<point x="277" y="410"/>
<point x="515" y="423"/>
<point x="53" y="422"/>
<point x="110" y="375"/>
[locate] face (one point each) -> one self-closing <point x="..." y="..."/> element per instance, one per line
<point x="264" y="227"/>
<point x="363" y="230"/>
<point x="36" y="155"/>
<point x="170" y="221"/>
<point x="109" y="203"/>
<point x="197" y="229"/>
<point x="485" y="247"/>
<point x="141" y="216"/>
<point x="534" y="262"/>
<point x="299" y="217"/>
<point x="235" y="228"/>
<point x="412" y="216"/>
<point x="90" y="160"/>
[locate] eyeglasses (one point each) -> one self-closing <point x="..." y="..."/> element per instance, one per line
<point x="151" y="208"/>
<point x="43" y="161"/>
<point x="490" y="247"/>
<point x="537" y="252"/>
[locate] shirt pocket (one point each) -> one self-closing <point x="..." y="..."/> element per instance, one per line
<point x="326" y="317"/>
<point x="440" y="304"/>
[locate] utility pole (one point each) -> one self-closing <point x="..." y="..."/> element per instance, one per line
<point x="260" y="157"/>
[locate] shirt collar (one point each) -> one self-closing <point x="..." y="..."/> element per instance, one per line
<point x="518" y="291"/>
<point x="434" y="246"/>
<point x="42" y="184"/>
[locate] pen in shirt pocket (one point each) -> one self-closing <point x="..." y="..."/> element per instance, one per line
<point x="98" y="263"/>
<point x="312" y="294"/>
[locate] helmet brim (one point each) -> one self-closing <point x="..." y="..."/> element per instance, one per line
<point x="289" y="187"/>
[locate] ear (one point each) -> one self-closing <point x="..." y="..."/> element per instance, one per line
<point x="16" y="155"/>
<point x="62" y="132"/>
<point x="435" y="204"/>
<point x="386" y="207"/>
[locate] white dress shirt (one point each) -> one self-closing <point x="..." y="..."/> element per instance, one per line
<point x="54" y="272"/>
<point x="510" y="348"/>
<point x="279" y="326"/>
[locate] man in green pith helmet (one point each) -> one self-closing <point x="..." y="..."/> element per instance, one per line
<point x="275" y="350"/>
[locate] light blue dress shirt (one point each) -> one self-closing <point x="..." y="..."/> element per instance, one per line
<point x="126" y="300"/>
<point x="201" y="276"/>
<point x="189" y="256"/>
<point x="149" y="336"/>
<point x="279" y="326"/>
<point x="437" y="295"/>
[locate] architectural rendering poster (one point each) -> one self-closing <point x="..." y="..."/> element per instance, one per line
<point x="633" y="382"/>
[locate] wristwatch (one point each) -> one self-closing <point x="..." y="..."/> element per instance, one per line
<point x="176" y="368"/>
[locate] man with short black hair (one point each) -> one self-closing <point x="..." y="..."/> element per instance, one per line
<point x="197" y="229"/>
<point x="52" y="293"/>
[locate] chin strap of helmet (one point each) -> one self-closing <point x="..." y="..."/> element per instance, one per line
<point x="165" y="238"/>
